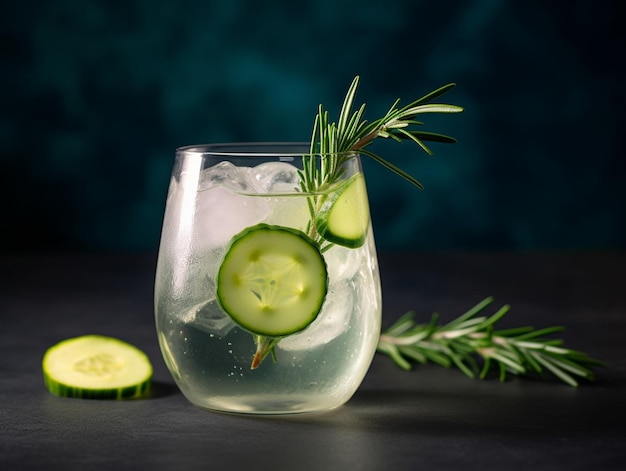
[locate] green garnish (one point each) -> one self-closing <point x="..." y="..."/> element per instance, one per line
<point x="272" y="282"/>
<point x="352" y="134"/>
<point x="337" y="143"/>
<point x="473" y="345"/>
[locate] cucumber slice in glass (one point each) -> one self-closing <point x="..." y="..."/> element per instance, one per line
<point x="272" y="281"/>
<point x="96" y="367"/>
<point x="344" y="216"/>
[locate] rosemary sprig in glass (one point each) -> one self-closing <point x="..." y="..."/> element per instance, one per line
<point x="351" y="133"/>
<point x="336" y="142"/>
<point x="470" y="340"/>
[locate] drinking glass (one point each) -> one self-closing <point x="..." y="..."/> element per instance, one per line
<point x="218" y="195"/>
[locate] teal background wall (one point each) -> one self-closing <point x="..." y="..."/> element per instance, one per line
<point x="96" y="95"/>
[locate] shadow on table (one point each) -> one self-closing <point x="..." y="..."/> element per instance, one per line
<point x="161" y="390"/>
<point x="523" y="408"/>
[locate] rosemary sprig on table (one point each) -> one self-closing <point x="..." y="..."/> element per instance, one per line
<point x="470" y="339"/>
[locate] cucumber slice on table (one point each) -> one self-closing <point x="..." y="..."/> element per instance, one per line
<point x="344" y="217"/>
<point x="96" y="367"/>
<point x="272" y="281"/>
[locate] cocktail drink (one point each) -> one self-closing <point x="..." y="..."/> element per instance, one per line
<point x="267" y="291"/>
<point x="267" y="288"/>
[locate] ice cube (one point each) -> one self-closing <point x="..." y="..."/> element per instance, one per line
<point x="330" y="323"/>
<point x="277" y="177"/>
<point x="226" y="174"/>
<point x="290" y="211"/>
<point x="342" y="262"/>
<point x="220" y="214"/>
<point x="209" y="317"/>
<point x="221" y="211"/>
<point x="196" y="277"/>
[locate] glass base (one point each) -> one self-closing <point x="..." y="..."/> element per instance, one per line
<point x="288" y="404"/>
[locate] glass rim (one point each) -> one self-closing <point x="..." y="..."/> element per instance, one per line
<point x="256" y="149"/>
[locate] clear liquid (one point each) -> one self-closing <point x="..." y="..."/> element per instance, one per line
<point x="209" y="356"/>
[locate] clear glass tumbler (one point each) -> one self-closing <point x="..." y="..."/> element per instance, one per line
<point x="267" y="290"/>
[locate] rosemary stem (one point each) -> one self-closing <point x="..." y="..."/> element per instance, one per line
<point x="366" y="139"/>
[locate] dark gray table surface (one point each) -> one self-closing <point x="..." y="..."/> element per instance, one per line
<point x="429" y="418"/>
